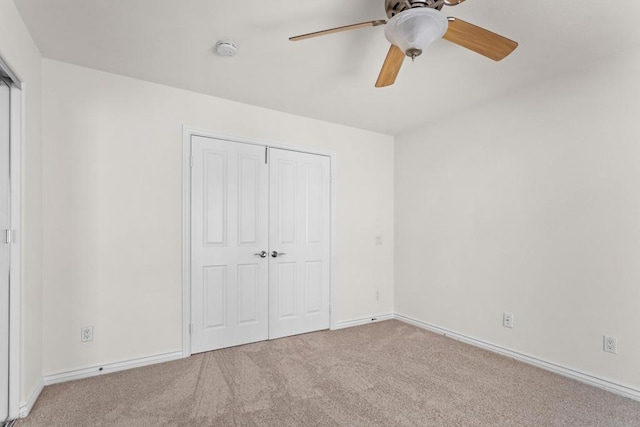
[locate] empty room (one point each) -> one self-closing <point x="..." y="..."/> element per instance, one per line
<point x="333" y="213"/>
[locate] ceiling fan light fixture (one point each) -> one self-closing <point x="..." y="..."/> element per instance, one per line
<point x="415" y="29"/>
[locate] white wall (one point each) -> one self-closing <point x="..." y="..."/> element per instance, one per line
<point x="20" y="53"/>
<point x="530" y="204"/>
<point x="113" y="200"/>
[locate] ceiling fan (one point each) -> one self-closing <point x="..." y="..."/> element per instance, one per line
<point x="414" y="24"/>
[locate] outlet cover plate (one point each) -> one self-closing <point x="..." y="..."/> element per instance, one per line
<point x="610" y="344"/>
<point x="507" y="320"/>
<point x="86" y="334"/>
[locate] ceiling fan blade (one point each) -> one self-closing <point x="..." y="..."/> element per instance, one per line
<point x="479" y="40"/>
<point x="391" y="67"/>
<point x="338" y="30"/>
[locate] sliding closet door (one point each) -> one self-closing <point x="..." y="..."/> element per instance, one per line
<point x="299" y="237"/>
<point x="229" y="277"/>
<point x="4" y="249"/>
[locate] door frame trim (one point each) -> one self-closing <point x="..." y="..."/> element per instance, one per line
<point x="187" y="134"/>
<point x="15" y="267"/>
<point x="15" y="144"/>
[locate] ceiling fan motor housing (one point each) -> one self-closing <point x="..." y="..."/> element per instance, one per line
<point x="394" y="7"/>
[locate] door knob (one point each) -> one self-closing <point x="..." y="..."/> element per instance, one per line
<point x="262" y="254"/>
<point x="276" y="254"/>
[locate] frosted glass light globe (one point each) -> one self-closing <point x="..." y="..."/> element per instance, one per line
<point x="415" y="29"/>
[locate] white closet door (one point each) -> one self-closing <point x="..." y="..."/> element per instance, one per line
<point x="4" y="249"/>
<point x="299" y="236"/>
<point x="229" y="226"/>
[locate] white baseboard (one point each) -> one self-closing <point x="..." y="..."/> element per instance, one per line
<point x="111" y="367"/>
<point x="616" y="388"/>
<point x="362" y="321"/>
<point x="28" y="406"/>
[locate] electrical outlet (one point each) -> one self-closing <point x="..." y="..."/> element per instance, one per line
<point x="507" y="320"/>
<point x="379" y="239"/>
<point x="610" y="344"/>
<point x="377" y="295"/>
<point x="86" y="334"/>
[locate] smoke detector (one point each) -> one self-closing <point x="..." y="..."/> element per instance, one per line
<point x="226" y="48"/>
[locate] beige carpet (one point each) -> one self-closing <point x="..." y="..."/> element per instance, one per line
<point x="385" y="374"/>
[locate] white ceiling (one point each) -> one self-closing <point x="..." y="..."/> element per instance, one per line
<point x="329" y="78"/>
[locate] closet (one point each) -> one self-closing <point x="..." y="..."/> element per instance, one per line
<point x="260" y="243"/>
